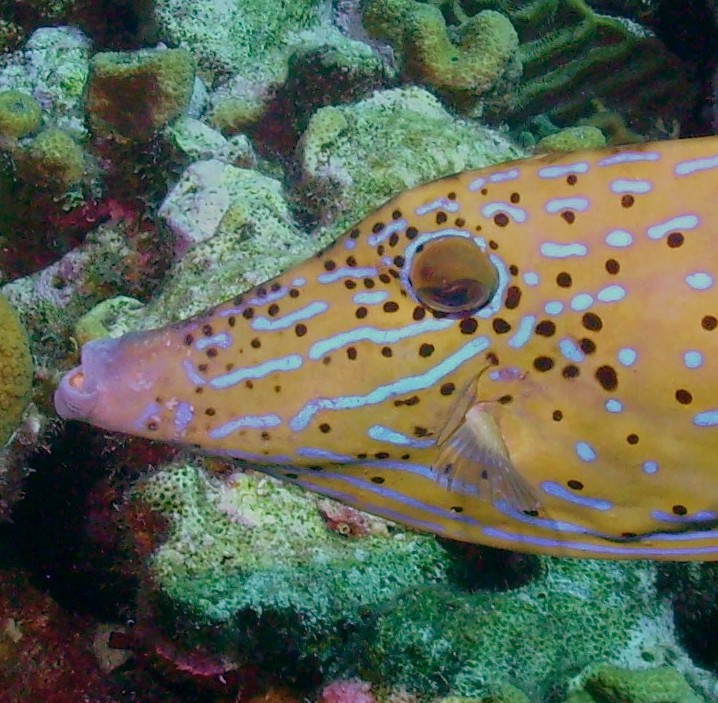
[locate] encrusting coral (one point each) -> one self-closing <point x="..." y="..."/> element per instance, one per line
<point x="16" y="370"/>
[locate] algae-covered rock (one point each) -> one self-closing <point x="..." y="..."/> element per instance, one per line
<point x="52" y="66"/>
<point x="233" y="229"/>
<point x="355" y="157"/>
<point x="134" y="94"/>
<point x="20" y="114"/>
<point x="249" y="565"/>
<point x="238" y="37"/>
<point x="16" y="370"/>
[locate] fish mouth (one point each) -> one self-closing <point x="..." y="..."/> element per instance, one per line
<point x="78" y="392"/>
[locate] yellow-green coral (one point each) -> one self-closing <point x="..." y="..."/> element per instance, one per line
<point x="573" y="139"/>
<point x="53" y="160"/>
<point x="20" y="114"/>
<point x="483" y="57"/>
<point x="15" y="370"/>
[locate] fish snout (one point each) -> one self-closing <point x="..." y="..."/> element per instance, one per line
<point x="78" y="392"/>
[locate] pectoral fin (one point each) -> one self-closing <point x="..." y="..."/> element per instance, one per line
<point x="473" y="454"/>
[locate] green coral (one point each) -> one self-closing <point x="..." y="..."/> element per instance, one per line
<point x="249" y="564"/>
<point x="576" y="613"/>
<point x="102" y="319"/>
<point x="16" y="370"/>
<point x="20" y="114"/>
<point x="53" y="160"/>
<point x="134" y="94"/>
<point x="573" y="139"/>
<point x="483" y="59"/>
<point x="611" y="684"/>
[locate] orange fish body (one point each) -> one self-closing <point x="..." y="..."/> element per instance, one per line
<point x="524" y="356"/>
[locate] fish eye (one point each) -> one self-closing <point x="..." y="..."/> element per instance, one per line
<point x="452" y="275"/>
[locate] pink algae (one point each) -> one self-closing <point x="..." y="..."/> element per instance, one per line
<point x="347" y="691"/>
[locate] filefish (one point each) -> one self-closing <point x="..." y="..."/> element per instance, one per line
<point x="523" y="356"/>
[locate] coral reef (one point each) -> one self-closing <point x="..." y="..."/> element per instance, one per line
<point x="20" y="114"/>
<point x="52" y="160"/>
<point x="249" y="568"/>
<point x="16" y="370"/>
<point x="610" y="684"/>
<point x="355" y="157"/>
<point x="45" y="654"/>
<point x="484" y="59"/>
<point x="135" y="94"/>
<point x="575" y="614"/>
<point x="572" y="55"/>
<point x="141" y="185"/>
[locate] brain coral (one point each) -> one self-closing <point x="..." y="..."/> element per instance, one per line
<point x="15" y="370"/>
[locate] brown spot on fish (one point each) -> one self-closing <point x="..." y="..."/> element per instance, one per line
<point x="570" y="371"/>
<point x="679" y="510"/>
<point x="684" y="397"/>
<point x="386" y="351"/>
<point x="557" y="416"/>
<point x="351" y="353"/>
<point x="441" y="218"/>
<point x="612" y="266"/>
<point x="329" y="265"/>
<point x="592" y="322"/>
<point x="377" y="479"/>
<point x="412" y="400"/>
<point x="564" y="280"/>
<point x="300" y="329"/>
<point x="627" y="200"/>
<point x="501" y="219"/>
<point x="513" y="297"/>
<point x="675" y="239"/>
<point x="500" y="326"/>
<point x="574" y="484"/>
<point x="350" y="285"/>
<point x="569" y="216"/>
<point x="709" y="322"/>
<point x="546" y="328"/>
<point x="419" y="313"/>
<point x="390" y="306"/>
<point x="325" y="428"/>
<point x="361" y="313"/>
<point x="447" y="388"/>
<point x="588" y="346"/>
<point x="543" y="363"/>
<point x="607" y="377"/>
<point x="515" y="198"/>
<point x="572" y="179"/>
<point x="632" y="438"/>
<point x="412" y="232"/>
<point x="426" y="350"/>
<point x="468" y="326"/>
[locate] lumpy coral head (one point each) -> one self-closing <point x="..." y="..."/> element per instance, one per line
<point x="15" y="370"/>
